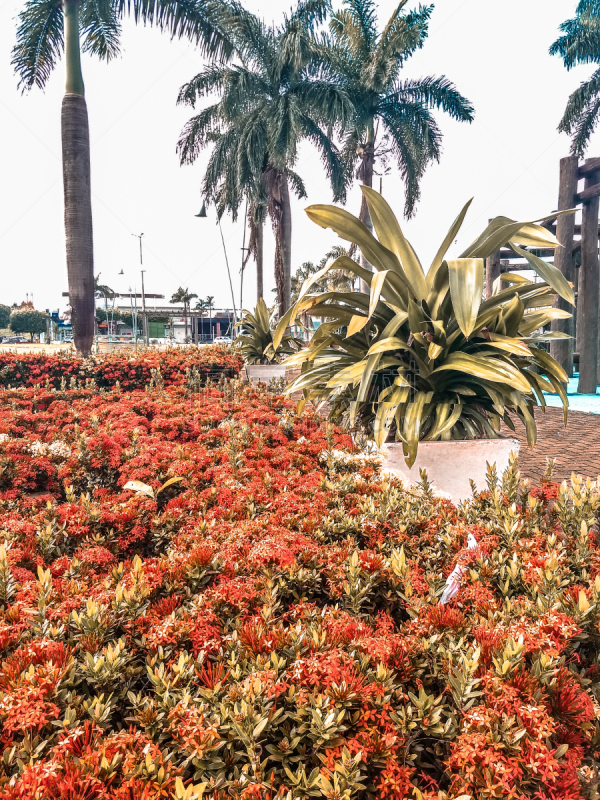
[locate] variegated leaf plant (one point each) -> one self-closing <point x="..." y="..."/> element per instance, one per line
<point x="255" y="339"/>
<point x="423" y="357"/>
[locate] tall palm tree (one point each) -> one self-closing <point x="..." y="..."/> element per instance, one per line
<point x="46" y="30"/>
<point x="580" y="44"/>
<point x="184" y="296"/>
<point x="392" y="117"/>
<point x="210" y="304"/>
<point x="269" y="102"/>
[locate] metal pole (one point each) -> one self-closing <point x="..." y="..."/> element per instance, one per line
<point x="228" y="270"/>
<point x="243" y="256"/>
<point x="144" y="316"/>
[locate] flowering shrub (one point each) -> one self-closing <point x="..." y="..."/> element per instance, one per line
<point x="269" y="626"/>
<point x="131" y="370"/>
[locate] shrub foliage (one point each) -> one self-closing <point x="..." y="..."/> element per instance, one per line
<point x="130" y="370"/>
<point x="269" y="626"/>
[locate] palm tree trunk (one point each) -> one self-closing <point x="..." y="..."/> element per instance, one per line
<point x="185" y="319"/>
<point x="77" y="190"/>
<point x="281" y="217"/>
<point x="259" y="244"/>
<point x="366" y="173"/>
<point x="286" y="231"/>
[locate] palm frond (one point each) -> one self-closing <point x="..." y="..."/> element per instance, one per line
<point x="416" y="141"/>
<point x="433" y="93"/>
<point x="209" y="80"/>
<point x="364" y="17"/>
<point x="203" y="23"/>
<point x="196" y="133"/>
<point x="330" y="158"/>
<point x="296" y="184"/>
<point x="100" y="28"/>
<point x="40" y="42"/>
<point x="402" y="36"/>
<point x="580" y="43"/>
<point x="584" y="126"/>
<point x="310" y="12"/>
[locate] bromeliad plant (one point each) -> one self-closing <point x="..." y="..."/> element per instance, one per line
<point x="423" y="357"/>
<point x="256" y="338"/>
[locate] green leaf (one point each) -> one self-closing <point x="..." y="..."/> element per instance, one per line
<point x="412" y="426"/>
<point x="490" y="369"/>
<point x="466" y="289"/>
<point x="450" y="237"/>
<point x="376" y="287"/>
<point x="390" y="235"/>
<point x="548" y="272"/>
<point x="351" y="229"/>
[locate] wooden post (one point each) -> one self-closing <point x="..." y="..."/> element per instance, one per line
<point x="587" y="305"/>
<point x="492" y="271"/>
<point x="562" y="349"/>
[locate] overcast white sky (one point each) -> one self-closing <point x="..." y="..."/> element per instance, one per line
<point x="496" y="53"/>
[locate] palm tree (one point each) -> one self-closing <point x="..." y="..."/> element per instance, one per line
<point x="184" y="296"/>
<point x="336" y="280"/>
<point x="229" y="182"/>
<point x="209" y="303"/>
<point x="46" y="29"/>
<point x="392" y="117"/>
<point x="580" y="44"/>
<point x="269" y="102"/>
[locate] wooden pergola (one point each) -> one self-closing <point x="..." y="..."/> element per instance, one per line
<point x="577" y="259"/>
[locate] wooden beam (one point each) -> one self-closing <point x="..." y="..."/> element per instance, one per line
<point x="587" y="305"/>
<point x="562" y="349"/>
<point x="541" y="252"/>
<point x="589" y="165"/>
<point x="492" y="271"/>
<point x="593" y="190"/>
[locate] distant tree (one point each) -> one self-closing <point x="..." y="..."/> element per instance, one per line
<point x="184" y="296"/>
<point x="580" y="44"/>
<point x="336" y="280"/>
<point x="27" y="320"/>
<point x="4" y="316"/>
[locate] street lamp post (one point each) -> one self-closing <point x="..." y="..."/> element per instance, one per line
<point x="203" y="215"/>
<point x="144" y="315"/>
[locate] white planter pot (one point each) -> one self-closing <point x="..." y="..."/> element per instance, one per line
<point x="264" y="373"/>
<point x="450" y="465"/>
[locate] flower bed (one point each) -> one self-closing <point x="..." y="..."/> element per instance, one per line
<point x="269" y="626"/>
<point x="131" y="371"/>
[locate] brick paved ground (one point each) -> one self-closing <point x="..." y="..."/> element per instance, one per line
<point x="576" y="448"/>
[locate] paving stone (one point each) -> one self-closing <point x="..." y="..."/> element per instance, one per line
<point x="576" y="448"/>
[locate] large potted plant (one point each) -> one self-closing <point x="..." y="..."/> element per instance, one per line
<point x="422" y="361"/>
<point x="255" y="340"/>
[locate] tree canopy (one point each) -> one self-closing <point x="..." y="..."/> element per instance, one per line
<point x="27" y="320"/>
<point x="5" y="312"/>
<point x="367" y="63"/>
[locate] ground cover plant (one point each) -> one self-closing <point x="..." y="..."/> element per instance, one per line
<point x="269" y="626"/>
<point x="129" y="370"/>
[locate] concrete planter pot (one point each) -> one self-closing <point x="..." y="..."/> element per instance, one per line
<point x="450" y="465"/>
<point x="264" y="373"/>
<point x="112" y="347"/>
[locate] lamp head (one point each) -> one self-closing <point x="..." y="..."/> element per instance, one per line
<point x="202" y="213"/>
